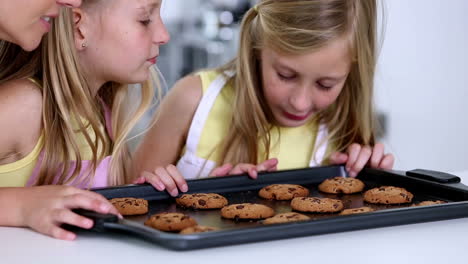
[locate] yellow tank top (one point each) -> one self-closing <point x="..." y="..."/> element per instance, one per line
<point x="293" y="146"/>
<point x="17" y="174"/>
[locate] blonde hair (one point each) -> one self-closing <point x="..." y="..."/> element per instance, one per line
<point x="68" y="103"/>
<point x="299" y="27"/>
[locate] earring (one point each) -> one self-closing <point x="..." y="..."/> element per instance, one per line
<point x="84" y="45"/>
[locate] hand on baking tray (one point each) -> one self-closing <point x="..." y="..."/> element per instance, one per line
<point x="46" y="208"/>
<point x="168" y="178"/>
<point x="242" y="168"/>
<point x="358" y="156"/>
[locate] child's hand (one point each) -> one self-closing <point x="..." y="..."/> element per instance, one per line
<point x="357" y="156"/>
<point x="45" y="208"/>
<point x="252" y="170"/>
<point x="168" y="178"/>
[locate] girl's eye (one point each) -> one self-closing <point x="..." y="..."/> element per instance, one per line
<point x="145" y="22"/>
<point x="323" y="86"/>
<point x="286" y="77"/>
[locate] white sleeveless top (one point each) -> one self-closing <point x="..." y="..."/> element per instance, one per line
<point x="193" y="167"/>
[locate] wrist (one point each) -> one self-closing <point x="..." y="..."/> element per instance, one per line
<point x="12" y="202"/>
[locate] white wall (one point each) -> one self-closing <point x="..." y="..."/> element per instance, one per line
<point x="422" y="83"/>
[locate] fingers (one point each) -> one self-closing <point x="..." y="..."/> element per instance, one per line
<point x="171" y="179"/>
<point x="153" y="179"/>
<point x="377" y="155"/>
<point x="66" y="216"/>
<point x="139" y="180"/>
<point x="358" y="157"/>
<point x="221" y="171"/>
<point x="361" y="161"/>
<point x="353" y="154"/>
<point x="60" y="233"/>
<point x="268" y="165"/>
<point x="242" y="168"/>
<point x="338" y="158"/>
<point x="168" y="178"/>
<point x="177" y="177"/>
<point x="387" y="162"/>
<point x="48" y="225"/>
<point x="87" y="200"/>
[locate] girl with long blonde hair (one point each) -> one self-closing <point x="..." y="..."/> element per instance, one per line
<point x="79" y="113"/>
<point x="298" y="94"/>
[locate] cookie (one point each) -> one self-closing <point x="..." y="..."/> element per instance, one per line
<point x="202" y="201"/>
<point x="341" y="185"/>
<point x="426" y="203"/>
<point x="286" y="218"/>
<point x="247" y="211"/>
<point x="316" y="205"/>
<point x="130" y="206"/>
<point x="388" y="195"/>
<point x="283" y="191"/>
<point x="197" y="229"/>
<point x="356" y="210"/>
<point x="170" y="221"/>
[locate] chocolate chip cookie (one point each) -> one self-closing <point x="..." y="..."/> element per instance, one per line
<point x="388" y="195"/>
<point x="359" y="210"/>
<point x="130" y="206"/>
<point x="197" y="229"/>
<point x="283" y="191"/>
<point x="247" y="211"/>
<point x="202" y="201"/>
<point x="172" y="222"/>
<point x="286" y="218"/>
<point x="341" y="185"/>
<point x="316" y="205"/>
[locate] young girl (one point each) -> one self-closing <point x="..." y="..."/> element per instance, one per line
<point x="24" y="22"/>
<point x="64" y="133"/>
<point x="299" y="91"/>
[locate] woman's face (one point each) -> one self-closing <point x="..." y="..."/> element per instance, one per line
<point x="24" y="22"/>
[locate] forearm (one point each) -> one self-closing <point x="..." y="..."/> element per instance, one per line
<point x="10" y="206"/>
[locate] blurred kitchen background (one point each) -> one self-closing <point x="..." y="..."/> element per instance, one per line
<point x="422" y="80"/>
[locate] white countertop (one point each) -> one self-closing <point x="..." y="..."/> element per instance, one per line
<point x="433" y="242"/>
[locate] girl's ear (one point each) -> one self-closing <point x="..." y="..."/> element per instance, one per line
<point x="79" y="29"/>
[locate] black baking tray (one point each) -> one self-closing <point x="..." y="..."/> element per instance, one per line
<point x="425" y="185"/>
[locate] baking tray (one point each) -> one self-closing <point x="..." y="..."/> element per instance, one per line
<point x="425" y="185"/>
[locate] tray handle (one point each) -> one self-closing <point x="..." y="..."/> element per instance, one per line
<point x="99" y="220"/>
<point x="435" y="176"/>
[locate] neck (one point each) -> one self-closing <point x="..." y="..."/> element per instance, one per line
<point x="93" y="79"/>
<point x="95" y="83"/>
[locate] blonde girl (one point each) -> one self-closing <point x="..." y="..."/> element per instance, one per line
<point x="75" y="113"/>
<point x="298" y="94"/>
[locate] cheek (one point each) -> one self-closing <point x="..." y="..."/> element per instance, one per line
<point x="275" y="94"/>
<point x="272" y="88"/>
<point x="327" y="99"/>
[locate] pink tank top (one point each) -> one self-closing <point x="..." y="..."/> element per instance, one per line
<point x="100" y="174"/>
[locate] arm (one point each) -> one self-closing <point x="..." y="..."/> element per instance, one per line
<point x="42" y="208"/>
<point x="163" y="143"/>
<point x="20" y="119"/>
